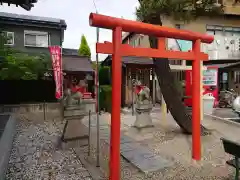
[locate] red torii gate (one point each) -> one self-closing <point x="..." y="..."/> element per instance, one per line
<point x="117" y="49"/>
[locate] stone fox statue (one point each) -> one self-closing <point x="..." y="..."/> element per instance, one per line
<point x="73" y="94"/>
<point x="142" y="92"/>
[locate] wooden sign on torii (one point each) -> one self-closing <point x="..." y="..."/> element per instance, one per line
<point x="117" y="49"/>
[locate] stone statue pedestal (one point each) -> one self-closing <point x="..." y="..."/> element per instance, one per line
<point x="89" y="105"/>
<point x="143" y="118"/>
<point x="74" y="99"/>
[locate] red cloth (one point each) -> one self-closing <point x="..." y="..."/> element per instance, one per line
<point x="139" y="88"/>
<point x="79" y="89"/>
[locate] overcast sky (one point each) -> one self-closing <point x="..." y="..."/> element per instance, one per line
<point x="76" y="13"/>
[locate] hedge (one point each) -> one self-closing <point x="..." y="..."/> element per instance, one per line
<point x="105" y="98"/>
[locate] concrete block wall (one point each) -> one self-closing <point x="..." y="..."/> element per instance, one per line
<point x="6" y="141"/>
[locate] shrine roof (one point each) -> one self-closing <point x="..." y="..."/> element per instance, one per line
<point x="77" y="63"/>
<point x="130" y="60"/>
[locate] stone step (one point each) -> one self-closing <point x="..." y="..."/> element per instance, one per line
<point x="74" y="107"/>
<point x="141" y="156"/>
<point x="77" y="112"/>
<point x="73" y="117"/>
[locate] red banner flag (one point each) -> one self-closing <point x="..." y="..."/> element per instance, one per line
<point x="55" y="52"/>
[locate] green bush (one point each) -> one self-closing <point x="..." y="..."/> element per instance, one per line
<point x="181" y="87"/>
<point x="105" y="98"/>
<point x="104" y="75"/>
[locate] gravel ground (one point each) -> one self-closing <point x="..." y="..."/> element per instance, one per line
<point x="35" y="155"/>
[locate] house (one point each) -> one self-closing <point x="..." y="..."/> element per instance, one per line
<point x="224" y="50"/>
<point x="32" y="34"/>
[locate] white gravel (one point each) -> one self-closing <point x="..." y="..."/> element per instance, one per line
<point x="35" y="155"/>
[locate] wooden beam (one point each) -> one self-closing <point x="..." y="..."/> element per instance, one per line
<point x="127" y="50"/>
<point x="183" y="68"/>
<point x="107" y="22"/>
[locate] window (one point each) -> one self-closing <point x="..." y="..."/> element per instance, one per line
<point x="136" y="42"/>
<point x="9" y="38"/>
<point x="224" y="31"/>
<point x="36" y="39"/>
<point x="133" y="42"/>
<point x="139" y="41"/>
<point x="237" y="77"/>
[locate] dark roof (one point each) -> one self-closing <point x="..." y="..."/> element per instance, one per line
<point x="136" y="60"/>
<point x="231" y="66"/>
<point x="68" y="51"/>
<point x="10" y="18"/>
<point x="130" y="60"/>
<point x="77" y="63"/>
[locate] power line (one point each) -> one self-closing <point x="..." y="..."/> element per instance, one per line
<point x="95" y="6"/>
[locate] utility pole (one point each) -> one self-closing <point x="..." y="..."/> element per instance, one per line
<point x="97" y="99"/>
<point x="97" y="96"/>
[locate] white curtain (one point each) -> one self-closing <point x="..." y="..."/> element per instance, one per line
<point x="30" y="39"/>
<point x="42" y="40"/>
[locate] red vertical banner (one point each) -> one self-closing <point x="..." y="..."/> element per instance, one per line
<point x="56" y="56"/>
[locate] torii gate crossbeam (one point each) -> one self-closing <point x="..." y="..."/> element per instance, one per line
<point x="117" y="49"/>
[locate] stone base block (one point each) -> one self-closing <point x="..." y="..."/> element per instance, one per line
<point x="143" y="120"/>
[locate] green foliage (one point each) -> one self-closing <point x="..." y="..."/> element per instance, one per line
<point x="105" y="98"/>
<point x="84" y="49"/>
<point x="21" y="66"/>
<point x="104" y="75"/>
<point x="184" y="10"/>
<point x="16" y="65"/>
<point x="94" y="65"/>
<point x="181" y="87"/>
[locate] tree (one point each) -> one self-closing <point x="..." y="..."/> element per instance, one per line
<point x="25" y="4"/>
<point x="21" y="66"/>
<point x="84" y="49"/>
<point x="151" y="11"/>
<point x="16" y="65"/>
<point x="94" y="65"/>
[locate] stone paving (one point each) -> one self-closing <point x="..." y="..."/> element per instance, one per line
<point x="35" y="155"/>
<point x="225" y="113"/>
<point x="166" y="140"/>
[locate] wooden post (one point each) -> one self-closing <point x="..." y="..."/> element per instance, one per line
<point x="132" y="92"/>
<point x="126" y="86"/>
<point x="201" y="90"/>
<point x="154" y="86"/>
<point x="116" y="103"/>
